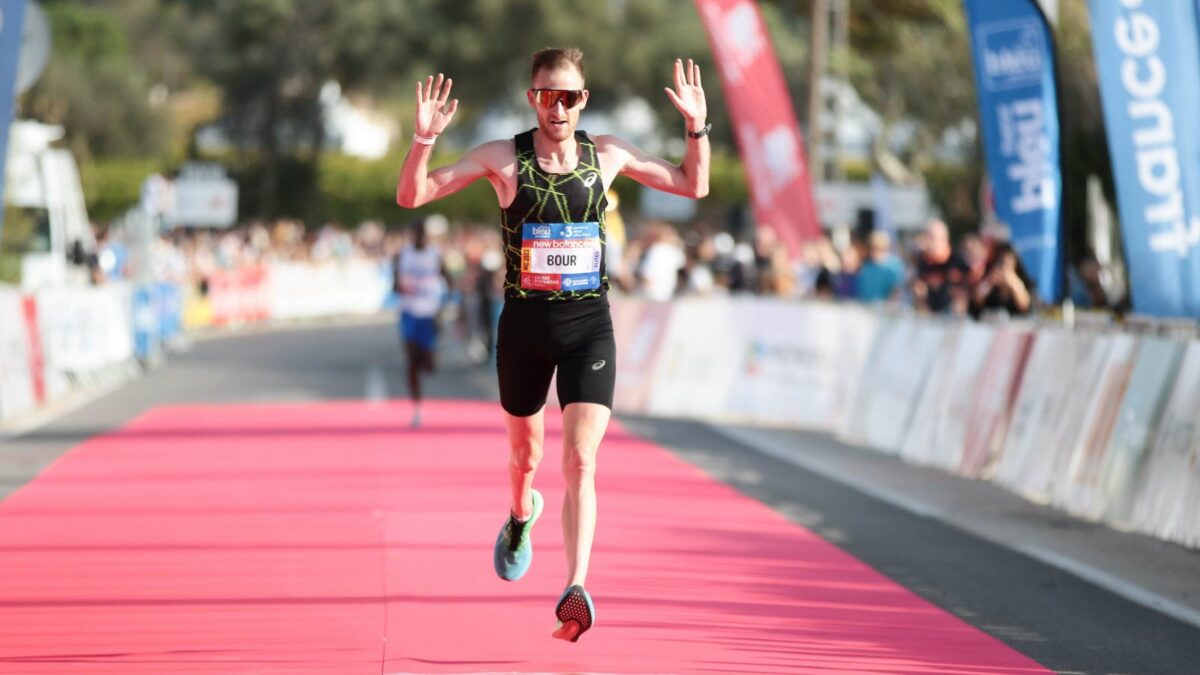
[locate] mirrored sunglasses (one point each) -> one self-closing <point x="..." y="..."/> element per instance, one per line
<point x="548" y="98"/>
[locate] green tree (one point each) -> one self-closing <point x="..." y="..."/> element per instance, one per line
<point x="270" y="58"/>
<point x="94" y="87"/>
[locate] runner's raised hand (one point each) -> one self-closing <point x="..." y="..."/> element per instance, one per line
<point x="688" y="95"/>
<point x="433" y="115"/>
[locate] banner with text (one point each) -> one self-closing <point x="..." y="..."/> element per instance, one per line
<point x="765" y="125"/>
<point x="1148" y="61"/>
<point x="1018" y="106"/>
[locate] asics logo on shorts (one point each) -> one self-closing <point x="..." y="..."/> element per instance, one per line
<point x="590" y="180"/>
<point x="599" y="364"/>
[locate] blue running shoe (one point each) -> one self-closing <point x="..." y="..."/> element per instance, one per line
<point x="575" y="613"/>
<point x="514" y="549"/>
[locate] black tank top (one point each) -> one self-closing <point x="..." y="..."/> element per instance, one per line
<point x="554" y="232"/>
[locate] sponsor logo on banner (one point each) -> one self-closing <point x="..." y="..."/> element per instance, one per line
<point x="764" y="123"/>
<point x="741" y="37"/>
<point x="1018" y="106"/>
<point x="1012" y="53"/>
<point x="781" y="148"/>
<point x="640" y="328"/>
<point x="777" y="359"/>
<point x="786" y="376"/>
<point x="1027" y="146"/>
<point x="1148" y="62"/>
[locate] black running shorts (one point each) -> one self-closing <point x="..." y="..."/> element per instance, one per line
<point x="537" y="336"/>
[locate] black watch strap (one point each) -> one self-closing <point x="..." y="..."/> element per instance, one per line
<point x="702" y="133"/>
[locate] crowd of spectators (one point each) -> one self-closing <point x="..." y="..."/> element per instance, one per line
<point x="982" y="275"/>
<point x="659" y="261"/>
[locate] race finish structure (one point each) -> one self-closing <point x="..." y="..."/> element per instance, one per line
<point x="560" y="256"/>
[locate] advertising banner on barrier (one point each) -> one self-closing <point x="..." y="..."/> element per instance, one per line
<point x="84" y="329"/>
<point x="790" y="365"/>
<point x="1154" y="371"/>
<point x="37" y="363"/>
<point x="993" y="400"/>
<point x="1050" y="411"/>
<point x="1148" y="62"/>
<point x="851" y="427"/>
<point x="937" y="435"/>
<point x="1040" y="402"/>
<point x="239" y="296"/>
<point x="147" y="336"/>
<point x="169" y="307"/>
<point x="1015" y="82"/>
<point x="1167" y="504"/>
<point x="765" y="125"/>
<point x="918" y="445"/>
<point x="1078" y="489"/>
<point x="303" y="290"/>
<point x="640" y="329"/>
<point x="1089" y="356"/>
<point x="698" y="361"/>
<point x="16" y="382"/>
<point x="903" y="368"/>
<point x="859" y="327"/>
<point x="970" y="360"/>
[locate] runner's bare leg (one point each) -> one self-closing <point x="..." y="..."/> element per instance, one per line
<point x="525" y="437"/>
<point x="584" y="425"/>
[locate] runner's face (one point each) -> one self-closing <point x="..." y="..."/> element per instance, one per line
<point x="558" y="121"/>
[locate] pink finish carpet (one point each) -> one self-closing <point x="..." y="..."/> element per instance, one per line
<point x="334" y="539"/>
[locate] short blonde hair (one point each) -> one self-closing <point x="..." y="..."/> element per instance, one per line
<point x="553" y="58"/>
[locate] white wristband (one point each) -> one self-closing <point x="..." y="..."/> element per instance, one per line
<point x="424" y="140"/>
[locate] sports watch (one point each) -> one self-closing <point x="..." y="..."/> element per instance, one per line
<point x="702" y="133"/>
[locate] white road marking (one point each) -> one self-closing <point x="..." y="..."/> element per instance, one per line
<point x="376" y="384"/>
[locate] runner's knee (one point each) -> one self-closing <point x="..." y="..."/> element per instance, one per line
<point x="526" y="455"/>
<point x="579" y="465"/>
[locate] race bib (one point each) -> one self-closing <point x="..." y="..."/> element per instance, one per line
<point x="560" y="256"/>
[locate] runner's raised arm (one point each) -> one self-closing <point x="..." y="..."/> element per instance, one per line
<point x="690" y="177"/>
<point x="417" y="184"/>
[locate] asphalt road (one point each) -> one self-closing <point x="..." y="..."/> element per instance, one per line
<point x="1063" y="622"/>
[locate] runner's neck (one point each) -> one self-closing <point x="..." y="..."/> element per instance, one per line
<point x="556" y="154"/>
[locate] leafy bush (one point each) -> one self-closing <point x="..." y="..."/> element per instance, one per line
<point x="113" y="186"/>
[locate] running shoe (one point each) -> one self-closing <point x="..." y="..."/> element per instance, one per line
<point x="514" y="548"/>
<point x="575" y="613"/>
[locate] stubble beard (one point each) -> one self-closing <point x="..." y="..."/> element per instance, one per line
<point x="558" y="133"/>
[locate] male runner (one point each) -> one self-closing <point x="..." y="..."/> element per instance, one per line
<point x="551" y="182"/>
<point x="421" y="283"/>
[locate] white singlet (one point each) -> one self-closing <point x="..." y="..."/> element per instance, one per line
<point x="421" y="284"/>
